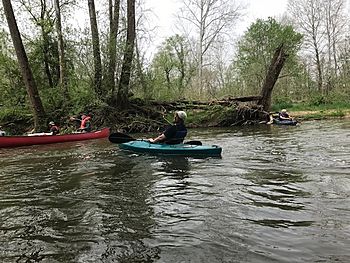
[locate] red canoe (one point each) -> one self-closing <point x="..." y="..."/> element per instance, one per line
<point x="15" y="141"/>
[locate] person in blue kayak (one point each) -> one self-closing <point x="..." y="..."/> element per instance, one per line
<point x="54" y="128"/>
<point x="174" y="134"/>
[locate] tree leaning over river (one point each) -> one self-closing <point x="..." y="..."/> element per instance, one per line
<point x="272" y="75"/>
<point x="28" y="78"/>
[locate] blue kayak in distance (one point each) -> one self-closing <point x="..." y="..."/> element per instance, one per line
<point x="285" y="122"/>
<point x="180" y="149"/>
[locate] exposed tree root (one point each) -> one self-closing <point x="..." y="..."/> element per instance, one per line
<point x="150" y="116"/>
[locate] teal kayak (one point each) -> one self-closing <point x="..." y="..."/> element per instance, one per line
<point x="176" y="149"/>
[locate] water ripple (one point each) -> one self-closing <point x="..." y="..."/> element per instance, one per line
<point x="278" y="194"/>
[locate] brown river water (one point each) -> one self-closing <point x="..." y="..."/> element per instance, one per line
<point x="278" y="194"/>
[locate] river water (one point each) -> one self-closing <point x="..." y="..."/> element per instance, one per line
<point x="278" y="194"/>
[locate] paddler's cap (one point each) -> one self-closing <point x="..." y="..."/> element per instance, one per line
<point x="51" y="123"/>
<point x="181" y="114"/>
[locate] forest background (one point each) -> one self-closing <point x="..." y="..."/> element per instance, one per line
<point x="105" y="64"/>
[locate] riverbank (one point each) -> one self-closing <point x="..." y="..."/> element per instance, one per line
<point x="303" y="111"/>
<point x="143" y="118"/>
<point x="320" y="114"/>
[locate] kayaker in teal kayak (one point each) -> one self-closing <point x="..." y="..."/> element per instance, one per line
<point x="174" y="134"/>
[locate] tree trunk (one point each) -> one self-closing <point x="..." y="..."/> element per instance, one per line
<point x="38" y="109"/>
<point x="200" y="52"/>
<point x="272" y="75"/>
<point x="123" y="89"/>
<point x="139" y="67"/>
<point x="61" y="51"/>
<point x="182" y="67"/>
<point x="46" y="56"/>
<point x="114" y="24"/>
<point x="96" y="49"/>
<point x="45" y="36"/>
<point x="319" y="67"/>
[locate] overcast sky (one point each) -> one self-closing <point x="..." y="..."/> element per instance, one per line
<point x="165" y="10"/>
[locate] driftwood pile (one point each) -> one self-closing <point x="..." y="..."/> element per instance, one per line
<point x="150" y="116"/>
<point x="200" y="105"/>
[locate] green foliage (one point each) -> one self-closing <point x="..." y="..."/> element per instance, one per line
<point x="321" y="115"/>
<point x="282" y="103"/>
<point x="210" y="116"/>
<point x="332" y="98"/>
<point x="82" y="96"/>
<point x="337" y="113"/>
<point x="171" y="69"/>
<point x="256" y="49"/>
<point x="314" y="116"/>
<point x="14" y="113"/>
<point x="11" y="85"/>
<point x="38" y="52"/>
<point x="318" y="100"/>
<point x="339" y="97"/>
<point x="306" y="106"/>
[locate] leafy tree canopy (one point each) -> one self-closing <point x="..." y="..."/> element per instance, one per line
<point x="258" y="45"/>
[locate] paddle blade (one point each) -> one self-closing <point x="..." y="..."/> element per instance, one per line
<point x="194" y="142"/>
<point x="120" y="138"/>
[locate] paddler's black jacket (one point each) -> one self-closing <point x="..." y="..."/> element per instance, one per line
<point x="175" y="134"/>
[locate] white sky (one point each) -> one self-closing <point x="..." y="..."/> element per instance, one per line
<point x="163" y="16"/>
<point x="165" y="10"/>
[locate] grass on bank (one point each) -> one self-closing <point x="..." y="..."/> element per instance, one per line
<point x="315" y="110"/>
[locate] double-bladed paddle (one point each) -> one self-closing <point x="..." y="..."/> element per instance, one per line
<point x="119" y="137"/>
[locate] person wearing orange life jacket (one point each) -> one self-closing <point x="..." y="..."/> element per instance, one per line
<point x="53" y="128"/>
<point x="85" y="124"/>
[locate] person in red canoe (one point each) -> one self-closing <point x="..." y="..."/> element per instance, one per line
<point x="54" y="129"/>
<point x="175" y="133"/>
<point x="85" y="123"/>
<point x="2" y="133"/>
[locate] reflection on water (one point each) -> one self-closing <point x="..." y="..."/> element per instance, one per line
<point x="177" y="166"/>
<point x="278" y="194"/>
